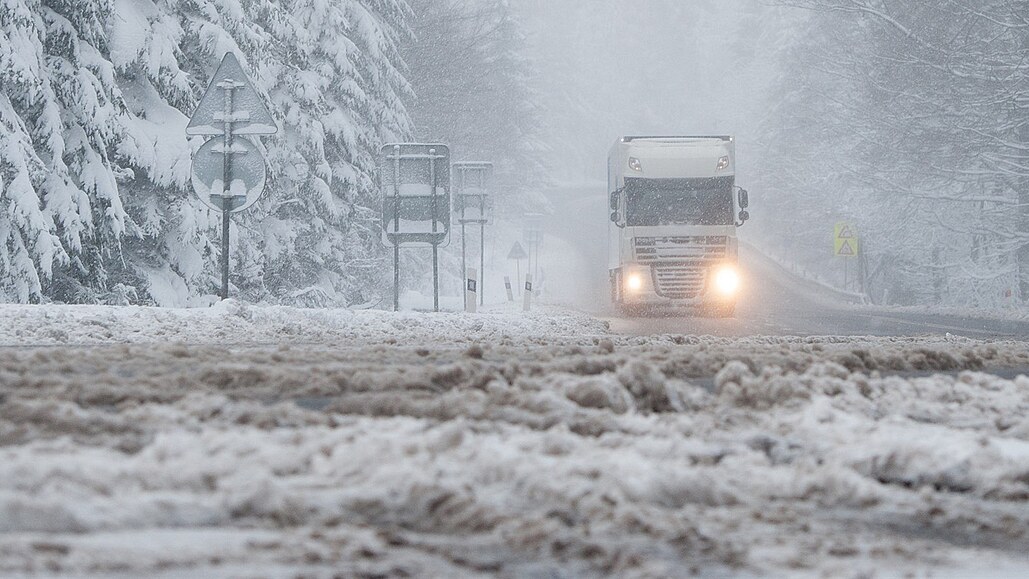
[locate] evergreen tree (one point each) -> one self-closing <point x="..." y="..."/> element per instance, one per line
<point x="62" y="115"/>
<point x="471" y="82"/>
<point x="921" y="126"/>
<point x="94" y="163"/>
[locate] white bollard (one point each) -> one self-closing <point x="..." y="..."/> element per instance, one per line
<point x="528" y="293"/>
<point x="471" y="290"/>
<point x="507" y="286"/>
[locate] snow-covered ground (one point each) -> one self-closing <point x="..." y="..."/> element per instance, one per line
<point x="235" y="322"/>
<point x="259" y="441"/>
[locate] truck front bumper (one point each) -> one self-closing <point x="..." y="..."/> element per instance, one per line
<point x="673" y="285"/>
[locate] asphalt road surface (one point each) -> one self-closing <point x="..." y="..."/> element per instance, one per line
<point x="774" y="302"/>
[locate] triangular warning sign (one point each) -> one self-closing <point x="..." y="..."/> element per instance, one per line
<point x="517" y="252"/>
<point x="250" y="116"/>
<point x="845" y="233"/>
<point x="846" y="249"/>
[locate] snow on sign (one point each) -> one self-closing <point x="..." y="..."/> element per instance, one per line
<point x="845" y="240"/>
<point x="414" y="179"/>
<point x="231" y="97"/>
<point x="415" y="183"/>
<point x="472" y="203"/>
<point x="248" y="175"/>
<point x="228" y="171"/>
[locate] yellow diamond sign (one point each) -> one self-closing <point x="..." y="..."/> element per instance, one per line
<point x="845" y="240"/>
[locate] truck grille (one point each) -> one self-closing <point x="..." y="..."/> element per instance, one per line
<point x="680" y="264"/>
<point x="679" y="280"/>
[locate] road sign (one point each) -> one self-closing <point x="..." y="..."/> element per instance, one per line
<point x="248" y="175"/>
<point x="228" y="171"/>
<point x="532" y="228"/>
<point x="247" y="112"/>
<point x="415" y="182"/>
<point x="471" y="191"/>
<point x="472" y="204"/>
<point x="845" y="240"/>
<point x="517" y="252"/>
<point x="414" y="179"/>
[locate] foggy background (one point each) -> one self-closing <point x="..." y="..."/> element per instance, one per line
<point x="610" y="68"/>
<point x="908" y="120"/>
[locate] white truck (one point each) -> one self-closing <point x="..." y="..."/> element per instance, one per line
<point x="672" y="238"/>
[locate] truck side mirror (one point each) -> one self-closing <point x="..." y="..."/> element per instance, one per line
<point x="614" y="217"/>
<point x="744" y="198"/>
<point x="744" y="216"/>
<point x="613" y="200"/>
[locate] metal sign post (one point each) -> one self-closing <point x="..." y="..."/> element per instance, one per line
<point x="517" y="253"/>
<point x="228" y="174"/>
<point x="472" y="204"/>
<point x="846" y="244"/>
<point x="532" y="234"/>
<point x="415" y="181"/>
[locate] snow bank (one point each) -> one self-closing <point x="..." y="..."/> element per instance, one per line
<point x="575" y="456"/>
<point x="235" y="322"/>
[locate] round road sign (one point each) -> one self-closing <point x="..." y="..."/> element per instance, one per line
<point x="248" y="174"/>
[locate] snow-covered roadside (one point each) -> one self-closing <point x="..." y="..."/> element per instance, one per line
<point x="235" y="322"/>
<point x="530" y="450"/>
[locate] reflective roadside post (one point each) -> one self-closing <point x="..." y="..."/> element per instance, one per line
<point x="507" y="286"/>
<point x="527" y="294"/>
<point x="470" y="289"/>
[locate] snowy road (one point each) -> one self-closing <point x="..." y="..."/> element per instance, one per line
<point x="776" y="303"/>
<point x="137" y="442"/>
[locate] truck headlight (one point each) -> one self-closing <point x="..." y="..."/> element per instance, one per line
<point x="727" y="280"/>
<point x="635" y="164"/>
<point x="723" y="163"/>
<point x="634" y="282"/>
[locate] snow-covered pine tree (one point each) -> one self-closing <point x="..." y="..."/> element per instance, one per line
<point x="917" y="112"/>
<point x="170" y="250"/>
<point x="472" y="88"/>
<point x="62" y="116"/>
<point x="94" y="163"/>
<point x="332" y="74"/>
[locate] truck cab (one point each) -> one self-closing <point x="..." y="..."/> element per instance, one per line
<point x="675" y="208"/>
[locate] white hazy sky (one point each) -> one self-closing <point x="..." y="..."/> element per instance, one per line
<point x="611" y="67"/>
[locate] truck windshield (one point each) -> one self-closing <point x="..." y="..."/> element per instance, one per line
<point x="679" y="201"/>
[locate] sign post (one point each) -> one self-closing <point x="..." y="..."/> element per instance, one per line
<point x="415" y="182"/>
<point x="845" y="244"/>
<point x="228" y="174"/>
<point x="472" y="205"/>
<point x="517" y="253"/>
<point x="532" y="235"/>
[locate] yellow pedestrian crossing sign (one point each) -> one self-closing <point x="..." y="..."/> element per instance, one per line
<point x="845" y="240"/>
